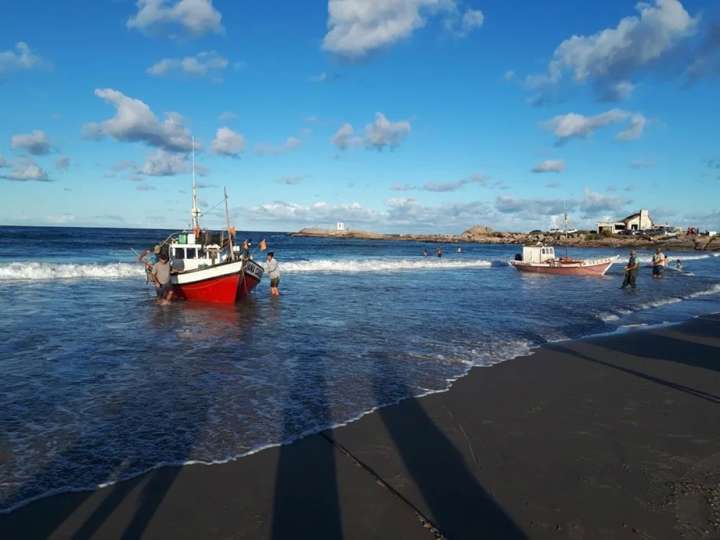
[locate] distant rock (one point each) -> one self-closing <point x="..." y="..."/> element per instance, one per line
<point x="483" y="234"/>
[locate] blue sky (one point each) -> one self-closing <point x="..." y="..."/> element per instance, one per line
<point x="392" y="115"/>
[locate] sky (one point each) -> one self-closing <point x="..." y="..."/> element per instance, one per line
<point x="388" y="115"/>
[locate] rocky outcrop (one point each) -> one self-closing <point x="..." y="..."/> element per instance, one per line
<point x="482" y="234"/>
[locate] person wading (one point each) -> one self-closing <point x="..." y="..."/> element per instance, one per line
<point x="631" y="270"/>
<point x="160" y="272"/>
<point x="274" y="273"/>
<point x="658" y="261"/>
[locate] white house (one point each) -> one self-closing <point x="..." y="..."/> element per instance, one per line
<point x="340" y="226"/>
<point x="639" y="221"/>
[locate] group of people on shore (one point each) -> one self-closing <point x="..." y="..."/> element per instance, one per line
<point x="659" y="263"/>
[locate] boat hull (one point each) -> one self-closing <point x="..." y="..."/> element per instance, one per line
<point x="221" y="284"/>
<point x="587" y="268"/>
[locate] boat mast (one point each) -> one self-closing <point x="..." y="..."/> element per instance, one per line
<point x="227" y="223"/>
<point x="195" y="212"/>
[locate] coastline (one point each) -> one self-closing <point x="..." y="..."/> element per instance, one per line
<point x="595" y="437"/>
<point x="484" y="235"/>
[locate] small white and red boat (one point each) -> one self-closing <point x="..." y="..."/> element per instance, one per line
<point x="207" y="266"/>
<point x="542" y="260"/>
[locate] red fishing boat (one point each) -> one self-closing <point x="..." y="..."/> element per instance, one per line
<point x="542" y="260"/>
<point x="207" y="266"/>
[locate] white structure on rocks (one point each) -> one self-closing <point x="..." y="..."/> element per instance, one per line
<point x="340" y="227"/>
<point x="639" y="221"/>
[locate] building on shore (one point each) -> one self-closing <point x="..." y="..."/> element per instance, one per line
<point x="639" y="221"/>
<point x="340" y="226"/>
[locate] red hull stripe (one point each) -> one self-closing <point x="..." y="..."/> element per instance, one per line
<point x="226" y="289"/>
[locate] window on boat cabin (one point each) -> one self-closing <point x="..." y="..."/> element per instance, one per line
<point x="179" y="253"/>
<point x="191" y="253"/>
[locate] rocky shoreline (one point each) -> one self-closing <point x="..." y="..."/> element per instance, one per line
<point x="481" y="234"/>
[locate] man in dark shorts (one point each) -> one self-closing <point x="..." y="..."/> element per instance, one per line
<point x="273" y="273"/>
<point x="161" y="275"/>
<point x="658" y="261"/>
<point x="631" y="270"/>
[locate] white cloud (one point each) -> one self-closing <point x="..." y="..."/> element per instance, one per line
<point x="592" y="205"/>
<point x="382" y="132"/>
<point x="198" y="17"/>
<point x="635" y="129"/>
<point x="403" y="212"/>
<point x="227" y="116"/>
<point x="444" y="187"/>
<point x="549" y="165"/>
<point x="135" y="122"/>
<point x="228" y="143"/>
<point x="642" y="163"/>
<point x="573" y="125"/>
<point x="264" y="149"/>
<point x="359" y="27"/>
<point x="163" y="163"/>
<point x="291" y="180"/>
<point x="610" y="57"/>
<point x="345" y="137"/>
<point x="62" y="163"/>
<point x="321" y="77"/>
<point x="530" y="207"/>
<point x="203" y="64"/>
<point x="596" y="205"/>
<point x="20" y="59"/>
<point x="26" y="170"/>
<point x="379" y="134"/>
<point x="36" y="143"/>
<point x="471" y="20"/>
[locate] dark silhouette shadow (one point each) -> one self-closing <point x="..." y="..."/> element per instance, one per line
<point x="55" y="510"/>
<point x="669" y="349"/>
<point x="459" y="506"/>
<point x="297" y="505"/>
<point x="675" y="386"/>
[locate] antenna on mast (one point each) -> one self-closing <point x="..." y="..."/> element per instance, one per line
<point x="195" y="212"/>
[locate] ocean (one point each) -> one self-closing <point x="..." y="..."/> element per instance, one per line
<point x="99" y="383"/>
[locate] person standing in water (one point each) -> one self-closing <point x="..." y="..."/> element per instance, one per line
<point x="631" y="270"/>
<point x="658" y="262"/>
<point x="160" y="272"/>
<point x="439" y="252"/>
<point x="274" y="274"/>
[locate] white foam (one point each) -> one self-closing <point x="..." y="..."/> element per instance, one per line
<point x="672" y="258"/>
<point x="50" y="271"/>
<point x="380" y="265"/>
<point x="715" y="289"/>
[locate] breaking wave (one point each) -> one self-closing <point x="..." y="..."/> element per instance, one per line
<point x="673" y="257"/>
<point x="50" y="271"/>
<point x="612" y="316"/>
<point x="384" y="265"/>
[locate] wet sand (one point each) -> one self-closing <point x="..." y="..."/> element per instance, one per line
<point x="611" y="437"/>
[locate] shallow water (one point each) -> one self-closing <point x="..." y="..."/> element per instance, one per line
<point x="100" y="383"/>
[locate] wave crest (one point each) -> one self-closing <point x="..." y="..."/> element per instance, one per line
<point x="51" y="271"/>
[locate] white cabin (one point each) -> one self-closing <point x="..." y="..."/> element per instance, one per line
<point x="538" y="254"/>
<point x="340" y="226"/>
<point x="186" y="253"/>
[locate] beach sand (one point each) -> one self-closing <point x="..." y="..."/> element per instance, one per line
<point x="610" y="437"/>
